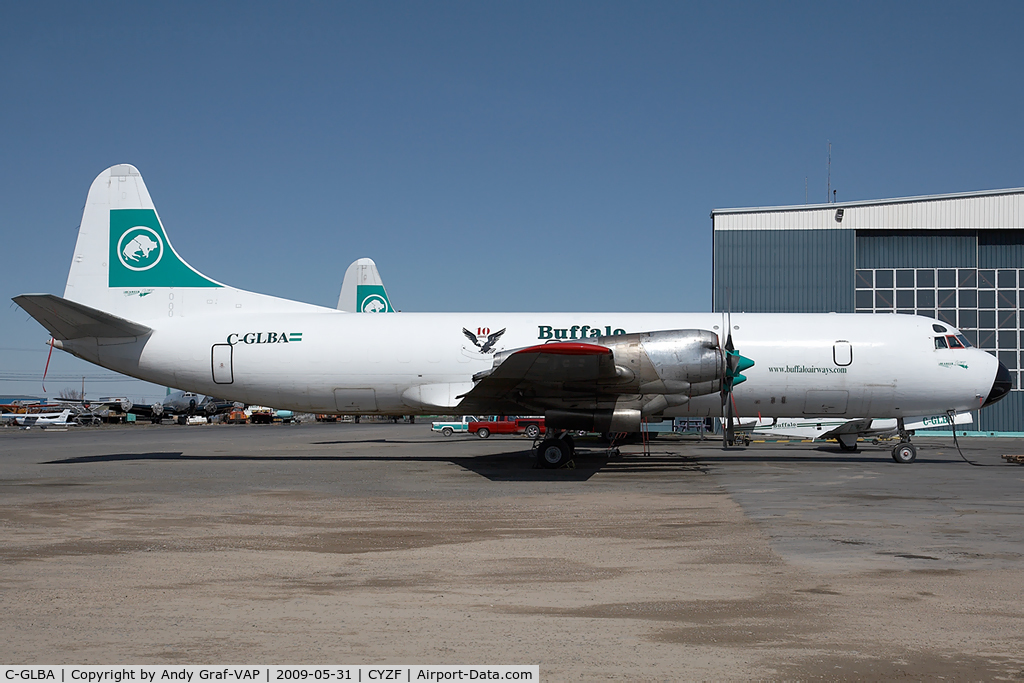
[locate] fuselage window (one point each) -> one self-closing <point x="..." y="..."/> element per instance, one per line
<point x="940" y="342"/>
<point x="954" y="343"/>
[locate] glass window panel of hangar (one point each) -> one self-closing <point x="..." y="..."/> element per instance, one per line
<point x="983" y="303"/>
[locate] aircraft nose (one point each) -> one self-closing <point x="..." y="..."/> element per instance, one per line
<point x="1001" y="386"/>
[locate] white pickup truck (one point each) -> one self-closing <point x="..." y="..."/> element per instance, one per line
<point x="449" y="428"/>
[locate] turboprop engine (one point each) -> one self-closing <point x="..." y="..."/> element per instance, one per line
<point x="653" y="371"/>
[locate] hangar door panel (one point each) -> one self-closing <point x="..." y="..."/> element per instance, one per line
<point x="221" y="358"/>
<point x="355" y="400"/>
<point x="826" y="402"/>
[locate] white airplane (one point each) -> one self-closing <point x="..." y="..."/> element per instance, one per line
<point x="133" y="305"/>
<point x="362" y="290"/>
<point x="845" y="431"/>
<point x="43" y="420"/>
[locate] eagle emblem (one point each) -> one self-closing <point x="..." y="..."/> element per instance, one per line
<point x="488" y="345"/>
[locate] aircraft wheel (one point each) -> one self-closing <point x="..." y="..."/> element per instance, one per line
<point x="447" y="431"/>
<point x="532" y="431"/>
<point x="904" y="453"/>
<point x="483" y="432"/>
<point x="553" y="453"/>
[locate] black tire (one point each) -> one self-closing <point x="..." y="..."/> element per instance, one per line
<point x="844" y="447"/>
<point x="904" y="453"/>
<point x="570" y="443"/>
<point x="447" y="431"/>
<point x="532" y="431"/>
<point x="553" y="453"/>
<point x="483" y="432"/>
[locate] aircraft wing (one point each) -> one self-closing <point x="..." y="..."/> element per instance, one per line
<point x="564" y="375"/>
<point x="861" y="425"/>
<point x="937" y="421"/>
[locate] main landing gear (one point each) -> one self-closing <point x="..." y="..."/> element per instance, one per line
<point x="903" y="452"/>
<point x="555" y="452"/>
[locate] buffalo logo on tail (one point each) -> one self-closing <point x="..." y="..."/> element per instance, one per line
<point x="140" y="248"/>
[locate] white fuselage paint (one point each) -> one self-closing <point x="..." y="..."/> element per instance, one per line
<point x="419" y="362"/>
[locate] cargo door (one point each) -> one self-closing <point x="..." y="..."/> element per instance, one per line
<point x="221" y="359"/>
<point x="826" y="402"/>
<point x="355" y="400"/>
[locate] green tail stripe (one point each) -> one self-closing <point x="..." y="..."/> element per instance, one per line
<point x="141" y="256"/>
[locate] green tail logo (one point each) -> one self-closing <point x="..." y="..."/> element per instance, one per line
<point x="372" y="299"/>
<point x="141" y="256"/>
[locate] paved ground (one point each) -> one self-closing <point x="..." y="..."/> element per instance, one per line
<point x="372" y="543"/>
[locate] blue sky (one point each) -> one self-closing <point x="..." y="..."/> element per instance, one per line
<point x="508" y="156"/>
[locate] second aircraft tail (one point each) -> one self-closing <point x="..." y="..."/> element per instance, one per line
<point x="362" y="290"/>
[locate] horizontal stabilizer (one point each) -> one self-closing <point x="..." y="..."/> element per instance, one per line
<point x="70" y="320"/>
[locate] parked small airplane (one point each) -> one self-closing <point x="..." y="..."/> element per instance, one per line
<point x="182" y="404"/>
<point x="845" y="431"/>
<point x="43" y="420"/>
<point x="133" y="305"/>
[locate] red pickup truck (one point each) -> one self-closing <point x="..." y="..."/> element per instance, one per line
<point x="530" y="426"/>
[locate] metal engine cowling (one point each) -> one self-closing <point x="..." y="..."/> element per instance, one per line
<point x="654" y="371"/>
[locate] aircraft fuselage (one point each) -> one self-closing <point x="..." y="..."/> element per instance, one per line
<point x="328" y="361"/>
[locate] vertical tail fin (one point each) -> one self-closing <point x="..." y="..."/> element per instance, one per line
<point x="122" y="249"/>
<point x="362" y="290"/>
<point x="124" y="263"/>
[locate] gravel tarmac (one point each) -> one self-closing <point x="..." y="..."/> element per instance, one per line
<point x="374" y="543"/>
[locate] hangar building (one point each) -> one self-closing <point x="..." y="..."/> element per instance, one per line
<point x="956" y="257"/>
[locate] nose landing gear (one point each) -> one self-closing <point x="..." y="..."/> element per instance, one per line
<point x="904" y="452"/>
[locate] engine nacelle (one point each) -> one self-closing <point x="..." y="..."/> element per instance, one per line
<point x="686" y="362"/>
<point x="653" y="371"/>
<point x="616" y="420"/>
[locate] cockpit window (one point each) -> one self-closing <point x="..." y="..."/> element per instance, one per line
<point x="939" y="328"/>
<point x="954" y="342"/>
<point x="963" y="340"/>
<point x="940" y="343"/>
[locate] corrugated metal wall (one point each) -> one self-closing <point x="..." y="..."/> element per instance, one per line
<point x="1001" y="249"/>
<point x="917" y="249"/>
<point x="1005" y="416"/>
<point x="1002" y="209"/>
<point x="792" y="271"/>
